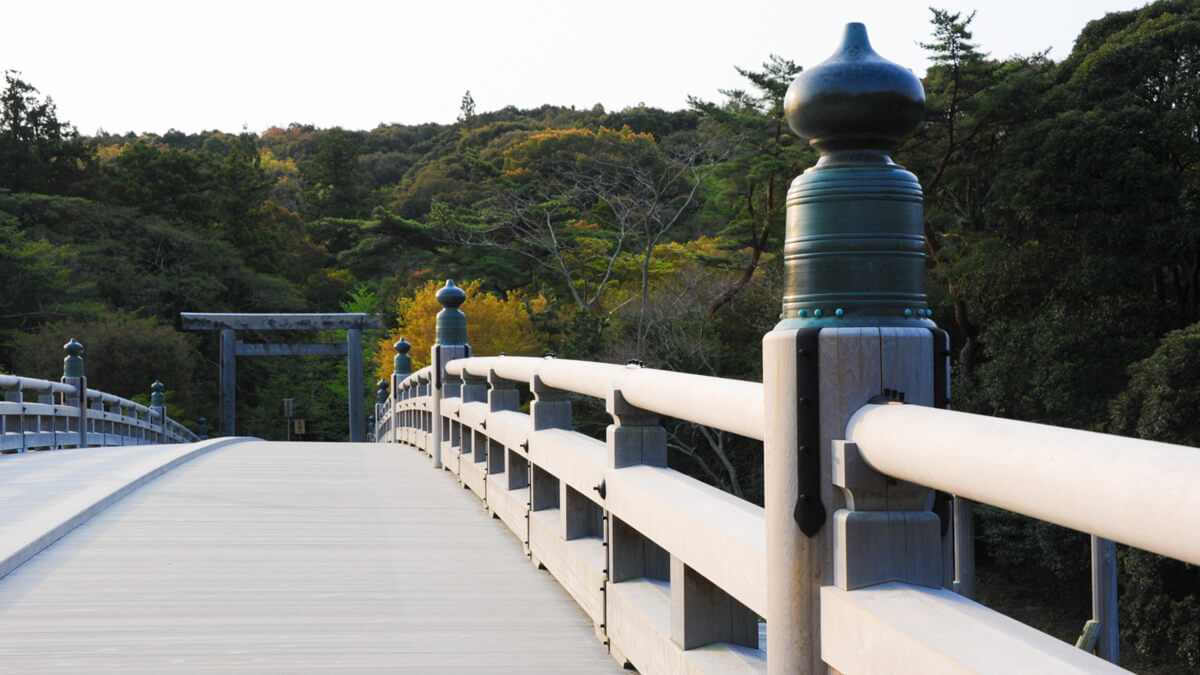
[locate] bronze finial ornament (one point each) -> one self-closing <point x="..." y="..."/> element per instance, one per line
<point x="854" y="250"/>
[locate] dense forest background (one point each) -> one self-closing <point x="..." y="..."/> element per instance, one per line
<point x="1061" y="223"/>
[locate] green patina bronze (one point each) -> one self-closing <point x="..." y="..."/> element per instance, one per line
<point x="854" y="251"/>
<point x="402" y="364"/>
<point x="451" y="322"/>
<point x="73" y="364"/>
<point x="381" y="396"/>
<point x="157" y="399"/>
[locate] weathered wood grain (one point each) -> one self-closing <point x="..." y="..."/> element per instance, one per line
<point x="300" y="557"/>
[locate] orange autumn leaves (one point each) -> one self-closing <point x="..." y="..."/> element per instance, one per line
<point x="494" y="324"/>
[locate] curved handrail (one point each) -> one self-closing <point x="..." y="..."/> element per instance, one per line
<point x="731" y="405"/>
<point x="10" y="382"/>
<point x="1083" y="480"/>
<point x="27" y="425"/>
<point x="113" y="400"/>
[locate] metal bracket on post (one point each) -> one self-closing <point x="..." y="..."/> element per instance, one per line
<point x="953" y="511"/>
<point x="809" y="512"/>
<point x="1104" y="598"/>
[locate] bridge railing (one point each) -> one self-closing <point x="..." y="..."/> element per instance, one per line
<point x="616" y="527"/>
<point x="608" y="519"/>
<point x="38" y="414"/>
<point x="674" y="573"/>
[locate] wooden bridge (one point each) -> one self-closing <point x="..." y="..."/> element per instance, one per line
<point x="251" y="556"/>
<point x="241" y="555"/>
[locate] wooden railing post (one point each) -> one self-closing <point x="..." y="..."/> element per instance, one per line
<point x="634" y="438"/>
<point x="502" y="394"/>
<point x="451" y="344"/>
<point x="379" y="419"/>
<point x="472" y="388"/>
<point x="855" y="323"/>
<point x="15" y="395"/>
<point x="73" y="376"/>
<point x="885" y="532"/>
<point x="96" y="424"/>
<point x="550" y="408"/>
<point x="401" y="369"/>
<point x="46" y="396"/>
<point x="158" y="404"/>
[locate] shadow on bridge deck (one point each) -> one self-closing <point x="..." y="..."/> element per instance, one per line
<point x="285" y="557"/>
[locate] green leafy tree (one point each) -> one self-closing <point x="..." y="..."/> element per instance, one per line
<point x="761" y="156"/>
<point x="333" y="179"/>
<point x="1092" y="225"/>
<point x="123" y="355"/>
<point x="973" y="107"/>
<point x="1160" y="598"/>
<point x="245" y="217"/>
<point x="36" y="285"/>
<point x="583" y="204"/>
<point x="39" y="153"/>
<point x="466" y="109"/>
<point x="171" y="183"/>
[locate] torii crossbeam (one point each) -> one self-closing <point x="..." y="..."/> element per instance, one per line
<point x="353" y="324"/>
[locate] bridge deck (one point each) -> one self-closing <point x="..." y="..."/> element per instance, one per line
<point x="283" y="557"/>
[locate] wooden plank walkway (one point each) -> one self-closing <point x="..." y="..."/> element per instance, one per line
<point x="300" y="557"/>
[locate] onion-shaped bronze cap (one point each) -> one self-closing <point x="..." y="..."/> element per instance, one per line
<point x="451" y="322"/>
<point x="73" y="348"/>
<point x="402" y="364"/>
<point x="855" y="99"/>
<point x="451" y="296"/>
<point x="73" y="363"/>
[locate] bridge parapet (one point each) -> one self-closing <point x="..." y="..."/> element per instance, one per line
<point x="653" y="555"/>
<point x="847" y="561"/>
<point x="40" y="414"/>
<point x="607" y="518"/>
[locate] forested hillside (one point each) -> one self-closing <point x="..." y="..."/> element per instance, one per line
<point x="1061" y="223"/>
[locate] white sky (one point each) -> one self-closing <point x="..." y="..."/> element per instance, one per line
<point x="142" y="65"/>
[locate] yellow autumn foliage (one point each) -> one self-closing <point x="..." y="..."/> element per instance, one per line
<point x="494" y="325"/>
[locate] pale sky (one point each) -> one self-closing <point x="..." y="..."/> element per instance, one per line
<point x="143" y="65"/>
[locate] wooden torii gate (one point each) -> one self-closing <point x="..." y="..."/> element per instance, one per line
<point x="353" y="324"/>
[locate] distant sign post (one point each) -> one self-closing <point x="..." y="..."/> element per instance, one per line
<point x="298" y="427"/>
<point x="287" y="412"/>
